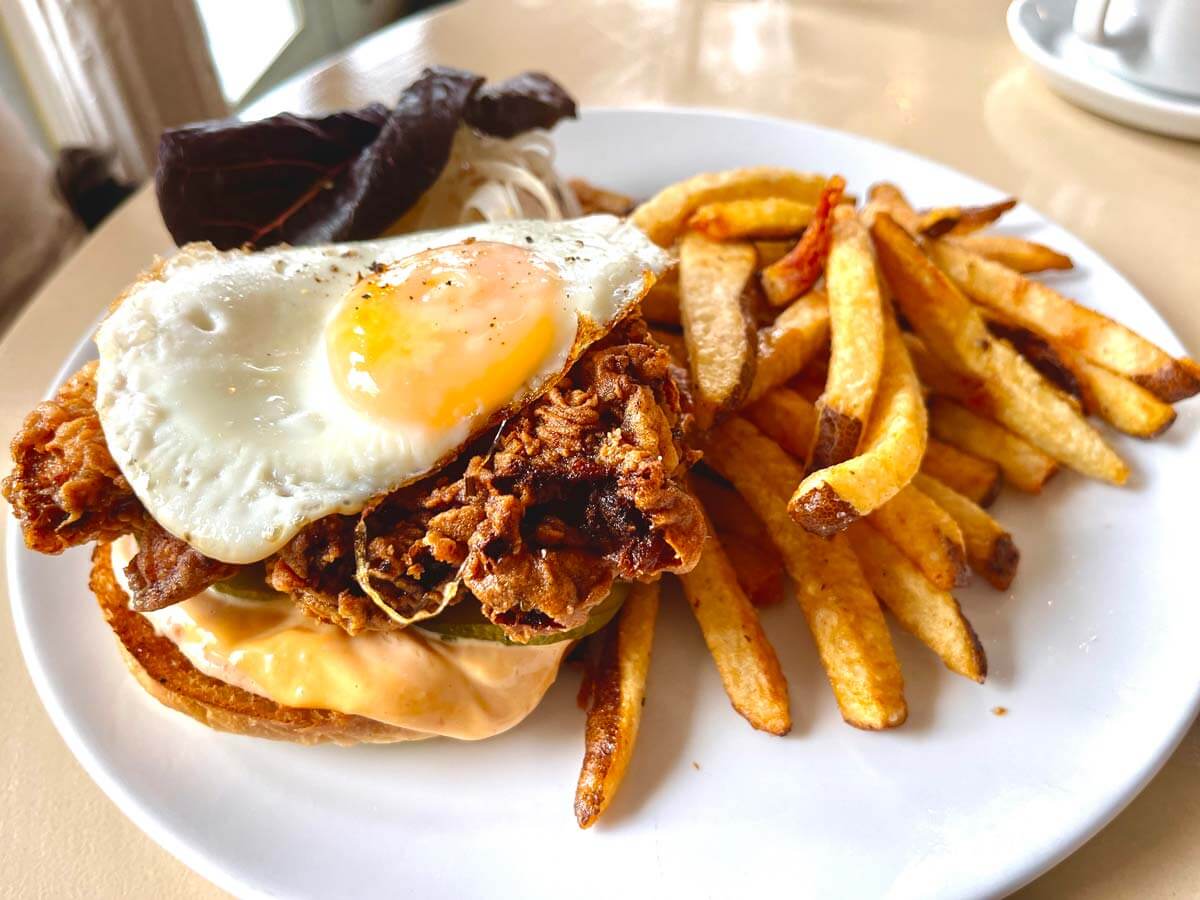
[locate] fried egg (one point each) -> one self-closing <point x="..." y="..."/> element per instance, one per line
<point x="244" y="395"/>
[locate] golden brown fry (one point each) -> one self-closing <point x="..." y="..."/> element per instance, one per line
<point x="770" y="251"/>
<point x="972" y="476"/>
<point x="663" y="216"/>
<point x="785" y="417"/>
<point x="887" y="198"/>
<point x="961" y="219"/>
<point x="797" y="271"/>
<point x="758" y="564"/>
<point x="1041" y="354"/>
<point x="844" y="617"/>
<point x="990" y="549"/>
<point x="1063" y="321"/>
<point x="856" y="343"/>
<point x="953" y="331"/>
<point x="784" y="348"/>
<point x="768" y="217"/>
<point x="660" y="306"/>
<point x="941" y="379"/>
<point x="1023" y="464"/>
<point x="927" y="535"/>
<point x="745" y="659"/>
<point x="830" y="499"/>
<point x="618" y="693"/>
<point x="593" y="199"/>
<point x="1017" y="253"/>
<point x="930" y="614"/>
<point x="1126" y="406"/>
<point x="719" y="334"/>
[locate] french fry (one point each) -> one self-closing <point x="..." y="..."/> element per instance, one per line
<point x="660" y="306"/>
<point x="664" y="215"/>
<point x="768" y="217"/>
<point x="797" y="271"/>
<point x="972" y="476"/>
<point x="770" y="251"/>
<point x="953" y="331"/>
<point x="1126" y="406"/>
<point x="618" y="693"/>
<point x="594" y="199"/>
<point x="744" y="657"/>
<point x="1025" y="466"/>
<point x="927" y="612"/>
<point x="1017" y="253"/>
<point x="961" y="219"/>
<point x="830" y="499"/>
<point x="1061" y="320"/>
<point x="941" y="379"/>
<point x="1042" y="355"/>
<point x="785" y="417"/>
<point x="926" y="534"/>
<point x="887" y="198"/>
<point x="842" y="613"/>
<point x="990" y="549"/>
<point x="787" y="346"/>
<point x="758" y="565"/>
<point x="720" y="336"/>
<point x="856" y="342"/>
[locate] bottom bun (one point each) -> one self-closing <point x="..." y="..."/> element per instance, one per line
<point x="171" y="679"/>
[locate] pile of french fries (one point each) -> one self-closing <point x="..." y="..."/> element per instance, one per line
<point x="866" y="377"/>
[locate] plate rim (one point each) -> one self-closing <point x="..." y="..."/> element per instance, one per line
<point x="144" y="815"/>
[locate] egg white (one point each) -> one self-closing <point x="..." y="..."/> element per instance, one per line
<point x="215" y="394"/>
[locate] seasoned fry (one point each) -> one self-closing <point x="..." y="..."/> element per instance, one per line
<point x="961" y="219"/>
<point x="785" y="417"/>
<point x="926" y="534"/>
<point x="990" y="549"/>
<point x="660" y="306"/>
<point x="797" y="271"/>
<point x="856" y="342"/>
<point x="844" y="617"/>
<point x="887" y="198"/>
<point x="941" y="379"/>
<point x="769" y="217"/>
<point x="1017" y="253"/>
<point x="745" y="659"/>
<point x="972" y="476"/>
<point x="1126" y="406"/>
<point x="663" y="216"/>
<point x="758" y="565"/>
<point x="930" y="614"/>
<point x="796" y="337"/>
<point x="953" y="331"/>
<point x="720" y="336"/>
<point x="594" y="199"/>
<point x="1025" y="466"/>
<point x="830" y="499"/>
<point x="1059" y="319"/>
<point x="618" y="693"/>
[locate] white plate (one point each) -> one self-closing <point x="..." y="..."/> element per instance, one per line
<point x="1093" y="653"/>
<point x="1042" y="31"/>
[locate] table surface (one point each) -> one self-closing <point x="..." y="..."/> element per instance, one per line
<point x="938" y="78"/>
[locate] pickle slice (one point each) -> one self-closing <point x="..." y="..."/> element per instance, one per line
<point x="249" y="583"/>
<point x="466" y="620"/>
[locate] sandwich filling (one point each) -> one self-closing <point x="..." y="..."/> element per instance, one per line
<point x="412" y="679"/>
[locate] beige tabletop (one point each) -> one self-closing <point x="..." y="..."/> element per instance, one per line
<point x="939" y="78"/>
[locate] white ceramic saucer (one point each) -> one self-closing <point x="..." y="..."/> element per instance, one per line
<point x="1041" y="29"/>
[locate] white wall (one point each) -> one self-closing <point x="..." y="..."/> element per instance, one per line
<point x="12" y="91"/>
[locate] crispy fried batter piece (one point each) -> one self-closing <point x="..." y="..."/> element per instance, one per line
<point x="65" y="488"/>
<point x="582" y="487"/>
<point x="166" y="570"/>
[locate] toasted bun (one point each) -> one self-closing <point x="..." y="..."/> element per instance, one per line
<point x="172" y="680"/>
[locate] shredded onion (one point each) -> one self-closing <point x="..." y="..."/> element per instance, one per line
<point x="494" y="179"/>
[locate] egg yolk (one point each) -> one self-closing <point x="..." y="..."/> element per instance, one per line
<point x="449" y="334"/>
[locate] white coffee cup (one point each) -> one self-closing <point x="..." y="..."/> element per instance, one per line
<point x="1153" y="42"/>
